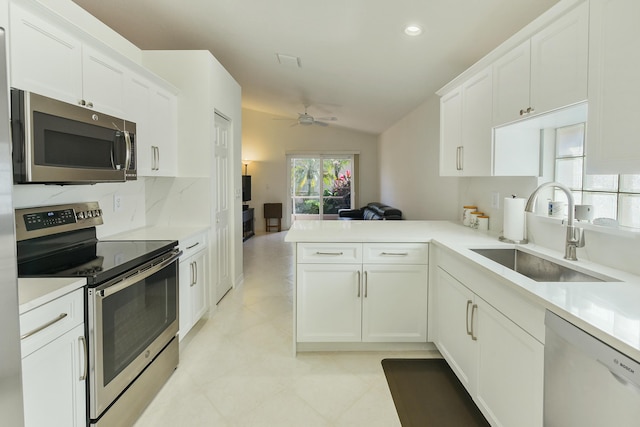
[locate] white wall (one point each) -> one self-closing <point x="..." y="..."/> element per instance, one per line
<point x="266" y="142"/>
<point x="409" y="167"/>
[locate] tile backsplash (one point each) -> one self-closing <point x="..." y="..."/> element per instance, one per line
<point x="131" y="214"/>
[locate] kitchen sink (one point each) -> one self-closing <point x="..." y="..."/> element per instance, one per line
<point x="536" y="268"/>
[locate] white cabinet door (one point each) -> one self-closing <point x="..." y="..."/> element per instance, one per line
<point x="163" y="115"/>
<point x="510" y="362"/>
<point x="154" y="112"/>
<point x="453" y="310"/>
<point x="476" y="125"/>
<point x="103" y="82"/>
<point x="613" y="139"/>
<point x="559" y="61"/>
<point x="137" y="101"/>
<point x="199" y="285"/>
<point x="511" y="79"/>
<point x="44" y="58"/>
<point x="466" y="129"/>
<point x="394" y="303"/>
<point x="451" y="133"/>
<point x="329" y="305"/>
<point x="193" y="283"/>
<point x="184" y="286"/>
<point x="53" y="382"/>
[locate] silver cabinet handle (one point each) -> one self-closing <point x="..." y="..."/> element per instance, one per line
<point x="366" y="284"/>
<point x="473" y="309"/>
<point x="330" y="253"/>
<point x="469" y="302"/>
<point x="83" y="372"/>
<point x="461" y="157"/>
<point x="90" y="104"/>
<point x="195" y="272"/>
<point x="158" y="158"/>
<point x="45" y="326"/>
<point x="358" y="284"/>
<point x="530" y="110"/>
<point x="193" y="246"/>
<point x="394" y="253"/>
<point x="82" y="102"/>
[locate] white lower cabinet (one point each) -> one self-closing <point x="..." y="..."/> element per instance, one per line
<point x="499" y="363"/>
<point x="339" y="299"/>
<point x="54" y="363"/>
<point x="193" y="282"/>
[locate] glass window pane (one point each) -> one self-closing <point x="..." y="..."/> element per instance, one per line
<point x="305" y="177"/>
<point x="629" y="210"/>
<point x="570" y="141"/>
<point x="630" y="183"/>
<point x="306" y="206"/>
<point x="569" y="172"/>
<point x="605" y="205"/>
<point x="337" y="185"/>
<point x="601" y="182"/>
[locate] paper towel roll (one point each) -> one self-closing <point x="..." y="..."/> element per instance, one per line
<point x="514" y="218"/>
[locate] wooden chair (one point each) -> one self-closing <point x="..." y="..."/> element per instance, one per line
<point x="273" y="211"/>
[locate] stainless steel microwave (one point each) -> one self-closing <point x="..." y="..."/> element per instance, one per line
<point x="59" y="143"/>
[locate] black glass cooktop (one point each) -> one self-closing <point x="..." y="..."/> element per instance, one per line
<point x="98" y="261"/>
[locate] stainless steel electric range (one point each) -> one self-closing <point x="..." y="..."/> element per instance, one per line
<point x="131" y="303"/>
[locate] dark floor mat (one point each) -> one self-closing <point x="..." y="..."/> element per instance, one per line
<point x="427" y="393"/>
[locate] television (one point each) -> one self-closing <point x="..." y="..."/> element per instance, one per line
<point x="246" y="188"/>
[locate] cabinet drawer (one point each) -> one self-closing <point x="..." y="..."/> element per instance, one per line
<point x="193" y="245"/>
<point x="43" y="324"/>
<point x="329" y="253"/>
<point x="396" y="253"/>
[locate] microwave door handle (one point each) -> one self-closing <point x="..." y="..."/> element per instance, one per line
<point x="127" y="140"/>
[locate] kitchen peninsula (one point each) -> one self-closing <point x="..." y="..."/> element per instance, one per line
<point x="364" y="285"/>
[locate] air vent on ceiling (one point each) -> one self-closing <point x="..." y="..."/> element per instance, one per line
<point x="289" y="61"/>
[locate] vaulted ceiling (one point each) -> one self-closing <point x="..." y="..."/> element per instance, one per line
<point x="355" y="62"/>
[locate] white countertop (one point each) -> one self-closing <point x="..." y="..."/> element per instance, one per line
<point x="608" y="310"/>
<point x="34" y="292"/>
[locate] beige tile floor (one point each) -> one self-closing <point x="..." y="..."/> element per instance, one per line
<point x="238" y="369"/>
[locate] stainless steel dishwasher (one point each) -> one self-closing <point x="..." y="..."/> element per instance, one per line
<point x="587" y="382"/>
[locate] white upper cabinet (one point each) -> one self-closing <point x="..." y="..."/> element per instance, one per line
<point x="44" y="58"/>
<point x="103" y="82"/>
<point x="49" y="60"/>
<point x="613" y="139"/>
<point x="511" y="74"/>
<point x="465" y="128"/>
<point x="546" y="72"/>
<point x="559" y="59"/>
<point x="451" y="133"/>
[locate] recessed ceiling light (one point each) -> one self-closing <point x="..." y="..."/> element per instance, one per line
<point x="413" y="30"/>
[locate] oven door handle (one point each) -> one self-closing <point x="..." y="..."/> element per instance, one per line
<point x="135" y="278"/>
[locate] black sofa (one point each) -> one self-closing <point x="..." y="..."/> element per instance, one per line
<point x="373" y="210"/>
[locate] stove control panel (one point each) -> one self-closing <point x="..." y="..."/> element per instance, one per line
<point x="38" y="220"/>
<point x="47" y="220"/>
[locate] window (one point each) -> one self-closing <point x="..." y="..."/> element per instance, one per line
<point x="320" y="185"/>
<point x="612" y="196"/>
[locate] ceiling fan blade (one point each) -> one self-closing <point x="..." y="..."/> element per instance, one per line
<point x="294" y="124"/>
<point x="328" y="119"/>
<point x="315" y="122"/>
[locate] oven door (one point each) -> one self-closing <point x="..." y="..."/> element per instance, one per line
<point x="130" y="320"/>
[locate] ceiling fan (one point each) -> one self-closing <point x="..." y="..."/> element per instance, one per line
<point x="305" y="119"/>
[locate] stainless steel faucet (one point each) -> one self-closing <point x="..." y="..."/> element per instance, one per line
<point x="575" y="235"/>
